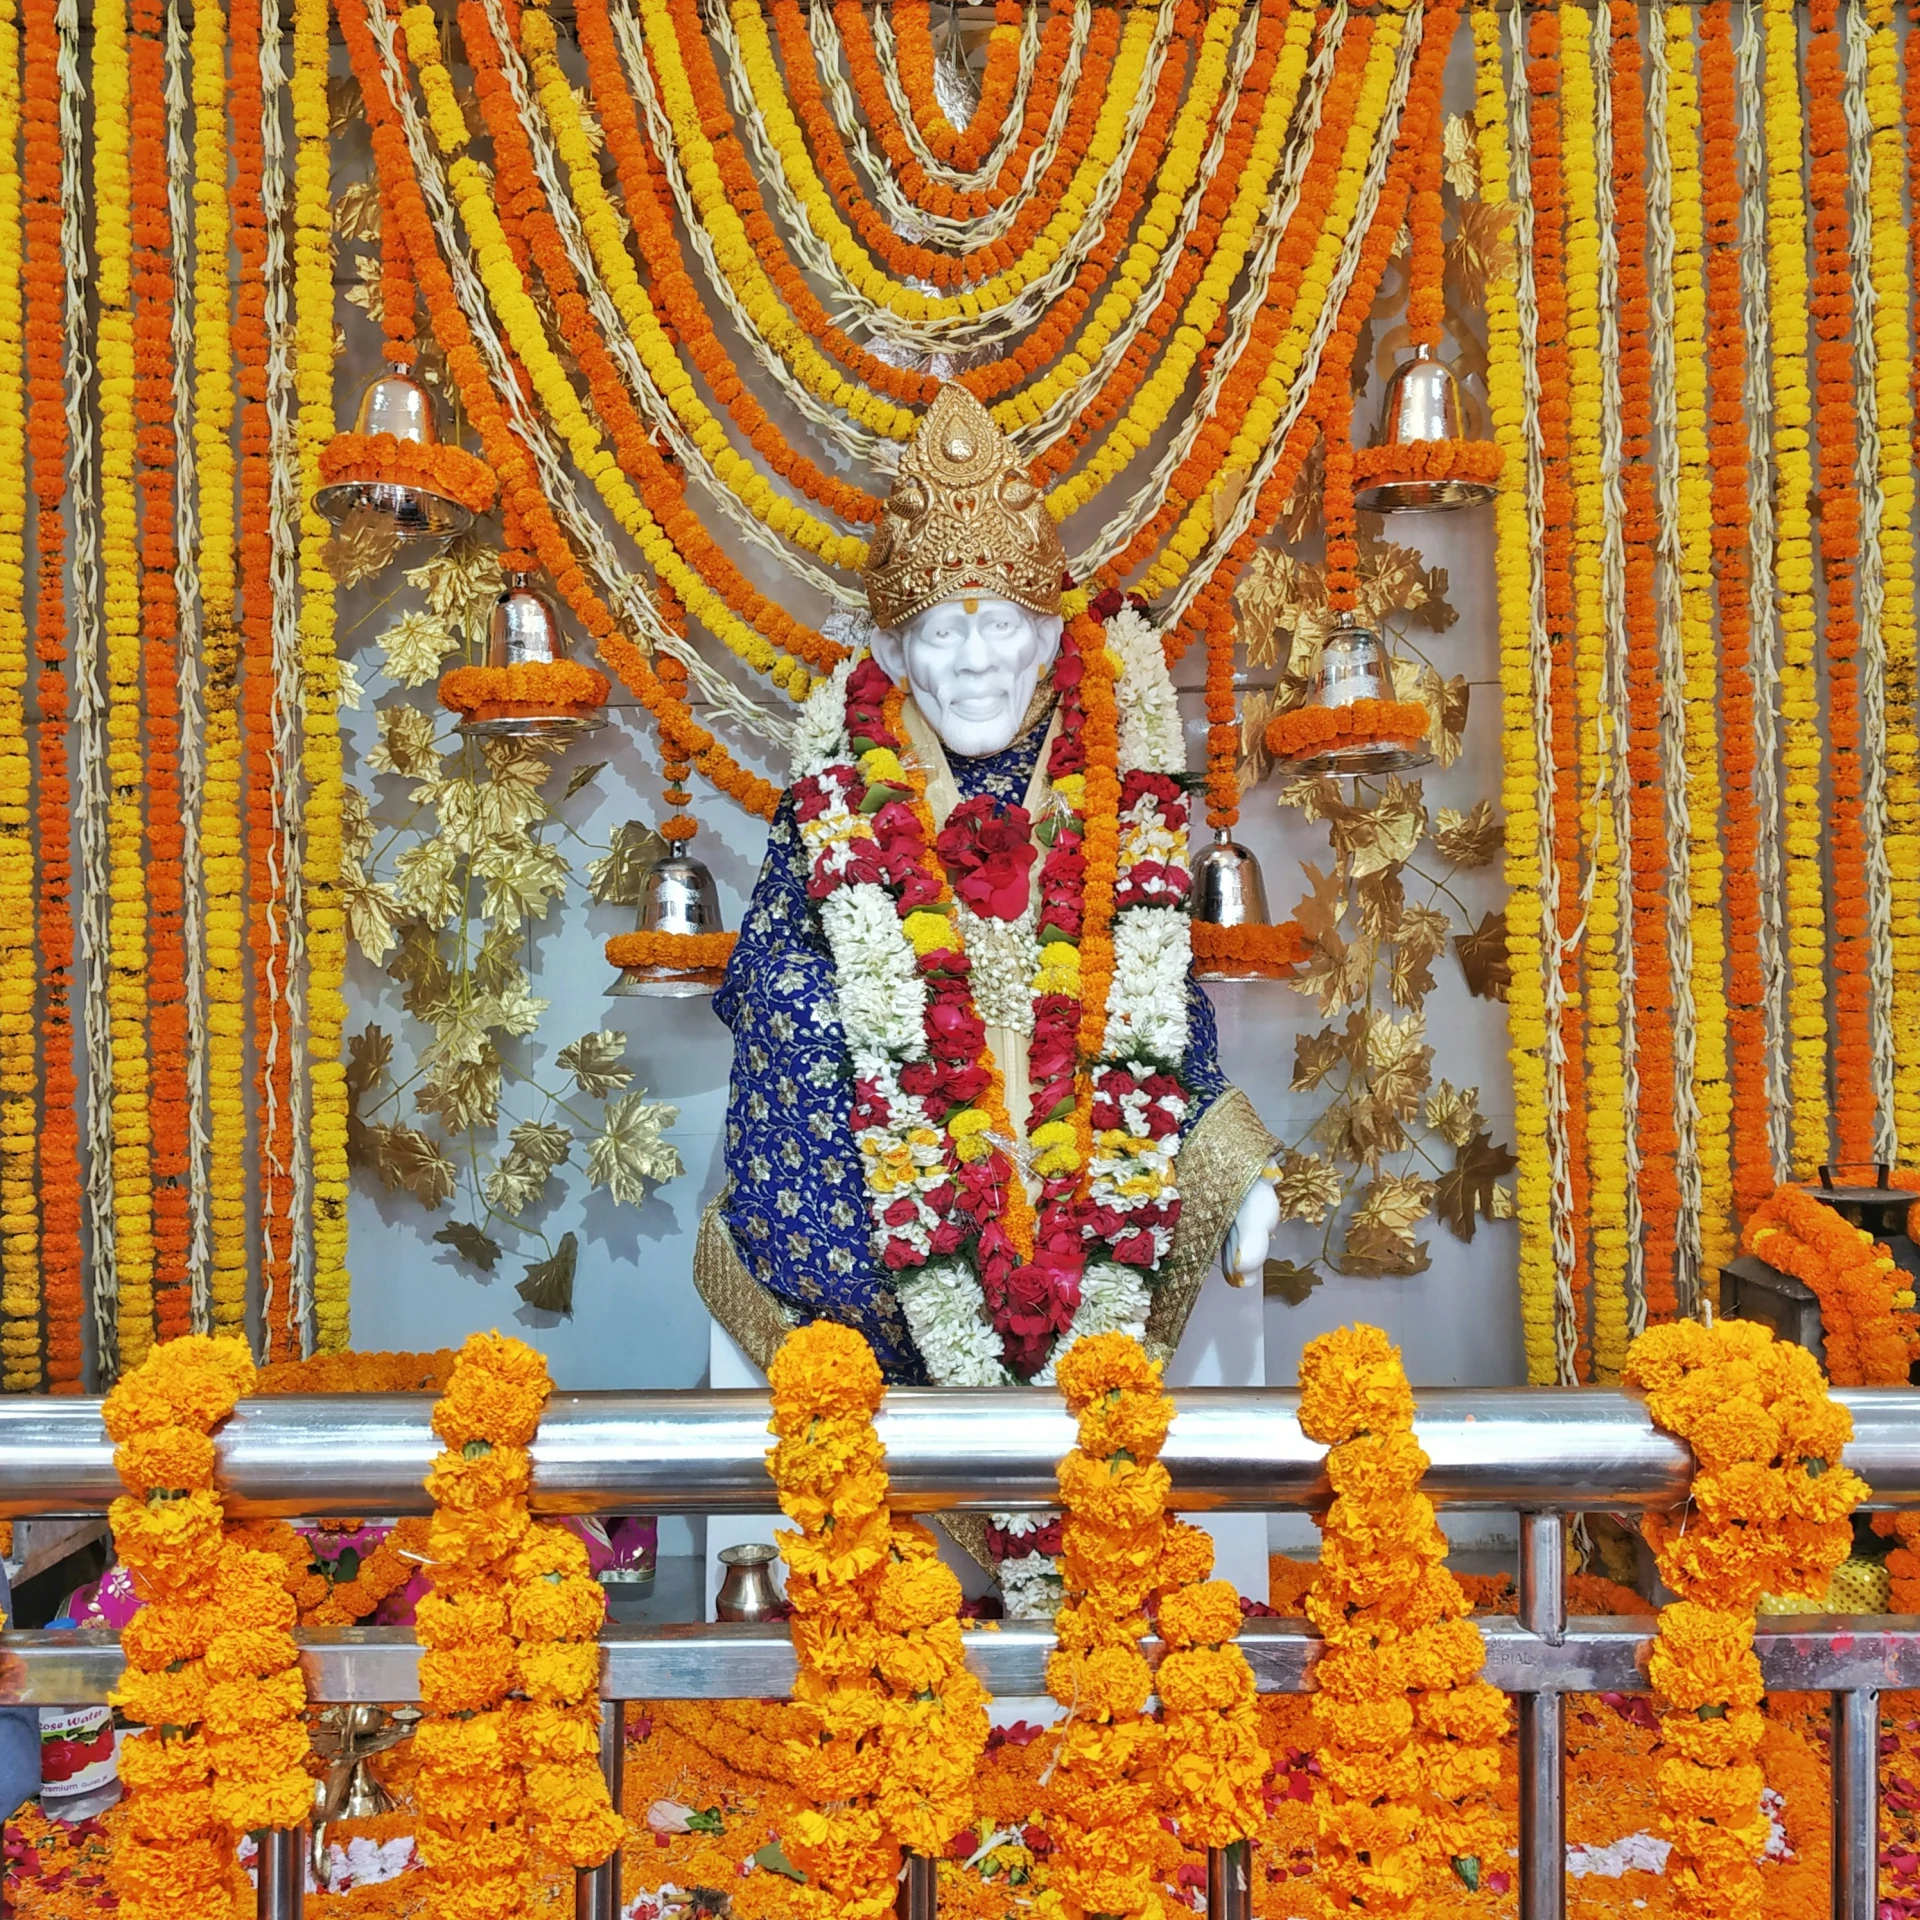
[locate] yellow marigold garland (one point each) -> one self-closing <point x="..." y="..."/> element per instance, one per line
<point x="1893" y="404"/>
<point x="20" y="1305"/>
<point x="1712" y="1092"/>
<point x="1767" y="1513"/>
<point x="1804" y="751"/>
<point x="472" y="191"/>
<point x="212" y="1671"/>
<point x="1114" y="1546"/>
<point x="120" y="575"/>
<point x="326" y="925"/>
<point x="1526" y="1008"/>
<point x="1605" y="1080"/>
<point x="1410" y="1734"/>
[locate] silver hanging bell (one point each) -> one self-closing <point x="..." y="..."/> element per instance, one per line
<point x="1228" y="892"/>
<point x="680" y="898"/>
<point x="398" y="404"/>
<point x="525" y="631"/>
<point x="1422" y="402"/>
<point x="1354" y="667"/>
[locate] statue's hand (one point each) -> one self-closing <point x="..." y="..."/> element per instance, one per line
<point x="1245" y="1252"/>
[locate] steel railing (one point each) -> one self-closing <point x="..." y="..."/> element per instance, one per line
<point x="1544" y="1453"/>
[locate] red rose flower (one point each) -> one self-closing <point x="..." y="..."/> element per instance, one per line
<point x="989" y="853"/>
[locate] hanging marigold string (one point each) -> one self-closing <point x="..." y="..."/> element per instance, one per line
<point x="22" y="1346"/>
<point x="1837" y="440"/>
<point x="164" y="875"/>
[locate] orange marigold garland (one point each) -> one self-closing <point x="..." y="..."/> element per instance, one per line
<point x="1113" y="1489"/>
<point x="1865" y="1300"/>
<point x="690" y="952"/>
<point x="45" y="275"/>
<point x="530" y="686"/>
<point x="1836" y="438"/>
<point x="211" y="1669"/>
<point x="1410" y="1734"/>
<point x="1270" y="952"/>
<point x="1768" y="1512"/>
<point x="1302" y="732"/>
<point x="447" y="470"/>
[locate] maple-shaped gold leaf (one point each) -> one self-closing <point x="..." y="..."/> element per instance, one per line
<point x="366" y="292"/>
<point x="1289" y="1281"/>
<point x="629" y="1152"/>
<point x="1381" y="834"/>
<point x="1481" y="251"/>
<point x="414" y="647"/>
<point x="407" y="745"/>
<point x="1422" y="938"/>
<point x="428" y="879"/>
<point x="1483" y="958"/>
<point x="1454" y="1113"/>
<point x="1468" y="1189"/>
<point x="1444" y="700"/>
<point x="373" y="912"/>
<point x="1302" y="512"/>
<point x="1382" y="897"/>
<point x="1315" y="1055"/>
<point x="356" y="212"/>
<point x="1460" y="156"/>
<point x="1388" y="580"/>
<point x="463" y="1094"/>
<point x="405" y="1157"/>
<point x="1273" y="592"/>
<point x="1399" y="1061"/>
<point x="1360" y="1128"/>
<point x="358" y="548"/>
<point x="1503" y="1205"/>
<point x="1308" y="1187"/>
<point x="1257" y="706"/>
<point x="1436" y="612"/>
<point x="356" y="824"/>
<point x="344" y="104"/>
<point x="1467" y="839"/>
<point x="1335" y="974"/>
<point x="1323" y="907"/>
<point x="461" y="584"/>
<point x="1379" y="1239"/>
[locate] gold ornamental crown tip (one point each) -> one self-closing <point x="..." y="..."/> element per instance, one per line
<point x="964" y="518"/>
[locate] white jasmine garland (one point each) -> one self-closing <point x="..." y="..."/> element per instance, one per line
<point x="1004" y="954"/>
<point x="1031" y="1587"/>
<point x="881" y="996"/>
<point x="1147" y="1002"/>
<point x="943" y="1307"/>
<point x="820" y="733"/>
<point x="1151" y="736"/>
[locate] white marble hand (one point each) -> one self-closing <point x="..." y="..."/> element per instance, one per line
<point x="1244" y="1253"/>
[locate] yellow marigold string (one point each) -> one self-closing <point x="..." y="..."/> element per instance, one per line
<point x="1604" y="1084"/>
<point x="1114" y="1555"/>
<point x="1526" y="1007"/>
<point x="1804" y="752"/>
<point x="1768" y="1512"/>
<point x="326" y="927"/>
<point x="212" y="1672"/>
<point x="1409" y="1733"/>
<point x="21" y="1368"/>
<point x="1893" y="405"/>
<point x="1712" y="1092"/>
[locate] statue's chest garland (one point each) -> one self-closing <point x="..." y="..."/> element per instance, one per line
<point x="937" y="931"/>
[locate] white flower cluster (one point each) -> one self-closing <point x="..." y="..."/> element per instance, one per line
<point x="942" y="1302"/>
<point x="1004" y="954"/>
<point x="820" y="733"/>
<point x="1151" y="737"/>
<point x="1147" y="1003"/>
<point x="1031" y="1587"/>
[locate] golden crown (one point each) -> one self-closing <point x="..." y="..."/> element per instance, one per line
<point x="962" y="518"/>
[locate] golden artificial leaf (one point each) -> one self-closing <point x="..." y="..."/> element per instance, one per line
<point x="347" y="690"/>
<point x="422" y="970"/>
<point x="1337" y="975"/>
<point x="1421" y="939"/>
<point x="406" y="745"/>
<point x="583" y="776"/>
<point x="463" y="1094"/>
<point x="1388" y="580"/>
<point x="1301" y="514"/>
<point x="1379" y="1237"/>
<point x="461" y="584"/>
<point x="1288" y="1281"/>
<point x="1226" y="496"/>
<point x="339" y="340"/>
<point x="373" y="911"/>
<point x="1257" y="706"/>
<point x="460" y="1035"/>
<point x="630" y="1151"/>
<point x="1483" y="957"/>
<point x="1454" y="1113"/>
<point x="513" y="1009"/>
<point x="406" y="1158"/>
<point x="620" y="878"/>
<point x="475" y="814"/>
<point x="356" y="824"/>
<point x="1375" y="836"/>
<point x="1444" y="700"/>
<point x="1307" y="1187"/>
<point x="1460" y="156"/>
<point x="356" y="213"/>
<point x="369" y="1055"/>
<point x="414" y="646"/>
<point x="1436" y="612"/>
<point x="428" y="880"/>
<point x="1314" y="797"/>
<point x="1504" y="1206"/>
<point x="538" y="1146"/>
<point x="1382" y="897"/>
<point x="367" y="292"/>
<point x="548" y="1287"/>
<point x="594" y="1062"/>
<point x="470" y="1243"/>
<point x="525" y="763"/>
<point x="1315" y="1055"/>
<point x="1467" y="839"/>
<point x="522" y="878"/>
<point x="1399" y="1061"/>
<point x="1481" y="250"/>
<point x="1465" y="1193"/>
<point x="344" y="104"/>
<point x="357" y="549"/>
<point x="1265" y="598"/>
<point x="1360" y="1128"/>
<point x="496" y="967"/>
<point x="545" y="1142"/>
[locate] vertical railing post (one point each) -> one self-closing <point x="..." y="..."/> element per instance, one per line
<point x="596" y="1890"/>
<point x="282" y="1890"/>
<point x="1230" y="1881"/>
<point x="1543" y="1748"/>
<point x="1856" y="1804"/>
<point x="919" y="1896"/>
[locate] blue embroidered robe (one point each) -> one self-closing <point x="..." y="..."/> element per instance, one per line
<point x="797" y="1204"/>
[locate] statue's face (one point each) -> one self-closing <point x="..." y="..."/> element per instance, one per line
<point x="972" y="666"/>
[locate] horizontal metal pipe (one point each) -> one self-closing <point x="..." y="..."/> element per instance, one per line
<point x="704" y="1452"/>
<point x="1809" y="1654"/>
